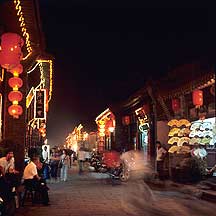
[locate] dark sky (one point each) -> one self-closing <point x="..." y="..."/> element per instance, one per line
<point x="105" y="51"/>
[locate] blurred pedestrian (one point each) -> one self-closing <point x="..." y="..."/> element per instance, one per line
<point x="160" y="157"/>
<point x="81" y="159"/>
<point x="65" y="160"/>
<point x="54" y="161"/>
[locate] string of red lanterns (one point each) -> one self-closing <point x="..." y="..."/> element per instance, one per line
<point x="10" y="57"/>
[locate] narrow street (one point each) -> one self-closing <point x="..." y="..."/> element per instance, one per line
<point x="93" y="194"/>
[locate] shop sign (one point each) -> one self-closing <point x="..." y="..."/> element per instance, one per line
<point x="40" y="104"/>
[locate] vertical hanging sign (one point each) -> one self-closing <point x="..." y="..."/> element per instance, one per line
<point x="40" y="104"/>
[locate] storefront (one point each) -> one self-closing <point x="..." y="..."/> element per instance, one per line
<point x="106" y="131"/>
<point x="192" y="125"/>
<point x="26" y="78"/>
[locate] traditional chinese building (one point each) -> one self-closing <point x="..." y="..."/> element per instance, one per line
<point x="142" y="118"/>
<point x="24" y="124"/>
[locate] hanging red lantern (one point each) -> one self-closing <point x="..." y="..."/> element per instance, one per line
<point x="175" y="105"/>
<point x="11" y="42"/>
<point x="15" y="96"/>
<point x="15" y="110"/>
<point x="197" y="96"/>
<point x="17" y="70"/>
<point x="9" y="60"/>
<point x="15" y="82"/>
<point x="126" y="120"/>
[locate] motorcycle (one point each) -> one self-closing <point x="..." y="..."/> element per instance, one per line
<point x="98" y="165"/>
<point x="119" y="173"/>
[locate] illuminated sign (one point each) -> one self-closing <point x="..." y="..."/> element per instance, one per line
<point x="143" y="119"/>
<point x="40" y="104"/>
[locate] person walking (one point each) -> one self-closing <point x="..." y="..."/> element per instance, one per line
<point x="45" y="159"/>
<point x="81" y="159"/>
<point x="54" y="161"/>
<point x="65" y="160"/>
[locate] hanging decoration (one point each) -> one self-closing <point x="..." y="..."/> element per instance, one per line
<point x="10" y="57"/>
<point x="126" y="120"/>
<point x="15" y="110"/>
<point x="15" y="83"/>
<point x="18" y="69"/>
<point x="197" y="98"/>
<point x="10" y="53"/>
<point x="175" y="105"/>
<point x="15" y="96"/>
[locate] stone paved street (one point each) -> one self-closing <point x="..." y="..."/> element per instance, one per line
<point x="91" y="194"/>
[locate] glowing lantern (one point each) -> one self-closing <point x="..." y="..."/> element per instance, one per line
<point x="15" y="110"/>
<point x="11" y="42"/>
<point x="9" y="60"/>
<point x="15" y="96"/>
<point x="175" y="104"/>
<point x="17" y="70"/>
<point x="15" y="82"/>
<point x="126" y="120"/>
<point x="197" y="97"/>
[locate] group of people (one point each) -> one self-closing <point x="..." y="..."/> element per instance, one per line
<point x="11" y="178"/>
<point x="56" y="164"/>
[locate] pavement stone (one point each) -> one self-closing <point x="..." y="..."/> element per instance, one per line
<point x="93" y="194"/>
<point x="203" y="190"/>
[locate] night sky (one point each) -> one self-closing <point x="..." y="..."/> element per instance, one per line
<point x="106" y="51"/>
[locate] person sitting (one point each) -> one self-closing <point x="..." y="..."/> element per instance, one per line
<point x="34" y="181"/>
<point x="7" y="163"/>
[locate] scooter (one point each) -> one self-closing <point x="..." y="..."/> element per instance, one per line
<point x="119" y="173"/>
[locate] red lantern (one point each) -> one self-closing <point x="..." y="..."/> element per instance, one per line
<point x="15" y="96"/>
<point x="175" y="104"/>
<point x="11" y="42"/>
<point x="15" y="110"/>
<point x="126" y="120"/>
<point x="16" y="70"/>
<point x="15" y="82"/>
<point x="197" y="97"/>
<point x="9" y="60"/>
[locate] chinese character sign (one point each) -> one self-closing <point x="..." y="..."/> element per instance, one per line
<point x="40" y="99"/>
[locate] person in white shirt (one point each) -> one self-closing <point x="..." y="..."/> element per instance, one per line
<point x="160" y="156"/>
<point x="65" y="159"/>
<point x="7" y="163"/>
<point x="33" y="180"/>
<point x="45" y="155"/>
